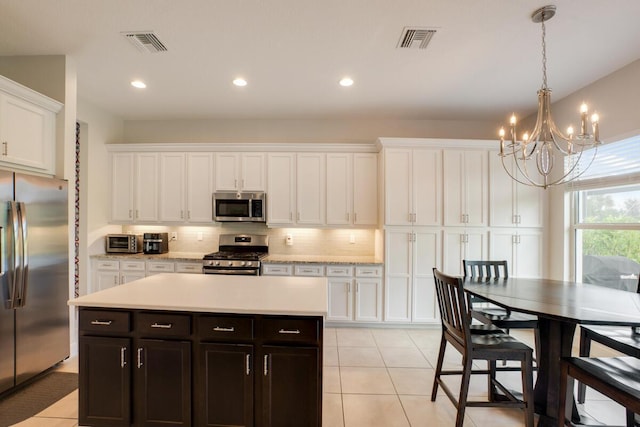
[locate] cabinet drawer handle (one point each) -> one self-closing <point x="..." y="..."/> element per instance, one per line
<point x="162" y="325"/>
<point x="139" y="357"/>
<point x="307" y="270"/>
<point x="219" y="329"/>
<point x="123" y="359"/>
<point x="248" y="359"/>
<point x="289" y="331"/>
<point x="102" y="322"/>
<point x="266" y="365"/>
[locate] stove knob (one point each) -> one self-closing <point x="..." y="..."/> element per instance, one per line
<point x="242" y="263"/>
<point x="216" y="263"/>
<point x="230" y="263"/>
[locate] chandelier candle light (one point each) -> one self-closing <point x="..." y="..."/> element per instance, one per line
<point x="546" y="142"/>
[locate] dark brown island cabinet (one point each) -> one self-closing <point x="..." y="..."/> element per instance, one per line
<point x="170" y="368"/>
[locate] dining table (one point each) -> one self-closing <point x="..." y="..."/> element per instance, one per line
<point x="560" y="307"/>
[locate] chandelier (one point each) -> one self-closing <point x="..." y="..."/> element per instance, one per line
<point x="545" y="145"/>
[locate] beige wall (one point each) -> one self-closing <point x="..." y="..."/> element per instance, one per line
<point x="97" y="128"/>
<point x="300" y="131"/>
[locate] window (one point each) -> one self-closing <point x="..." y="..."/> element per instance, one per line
<point x="607" y="217"/>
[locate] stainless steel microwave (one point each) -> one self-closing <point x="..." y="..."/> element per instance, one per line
<point x="124" y="243"/>
<point x="239" y="206"/>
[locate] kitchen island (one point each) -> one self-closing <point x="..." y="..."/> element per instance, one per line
<point x="185" y="349"/>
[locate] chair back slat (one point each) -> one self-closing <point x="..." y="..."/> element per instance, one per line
<point x="485" y="269"/>
<point x="452" y="302"/>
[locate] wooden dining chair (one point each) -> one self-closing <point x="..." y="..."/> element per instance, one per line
<point x="498" y="316"/>
<point x="624" y="339"/>
<point x="616" y="377"/>
<point x="456" y="322"/>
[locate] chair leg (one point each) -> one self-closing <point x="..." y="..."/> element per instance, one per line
<point x="536" y="343"/>
<point x="491" y="387"/>
<point x="436" y="377"/>
<point x="585" y="350"/>
<point x="527" y="389"/>
<point x="464" y="391"/>
<point x="565" y="408"/>
<point x="631" y="419"/>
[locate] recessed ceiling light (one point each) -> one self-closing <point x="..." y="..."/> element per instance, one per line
<point x="139" y="84"/>
<point x="239" y="82"/>
<point x="346" y="82"/>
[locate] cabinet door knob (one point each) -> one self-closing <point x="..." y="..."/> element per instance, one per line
<point x="102" y="322"/>
<point x="123" y="358"/>
<point x="139" y="365"/>
<point x="266" y="365"/>
<point x="223" y="329"/>
<point x="248" y="363"/>
<point x="5" y="147"/>
<point x="162" y="325"/>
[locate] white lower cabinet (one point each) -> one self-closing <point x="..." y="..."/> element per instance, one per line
<point x="277" y="269"/>
<point x="157" y="267"/>
<point x="459" y="244"/>
<point x="356" y="298"/>
<point x="110" y="273"/>
<point x="411" y="253"/>
<point x="521" y="247"/>
<point x="189" y="267"/>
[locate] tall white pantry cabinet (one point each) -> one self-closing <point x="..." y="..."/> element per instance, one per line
<point x="444" y="201"/>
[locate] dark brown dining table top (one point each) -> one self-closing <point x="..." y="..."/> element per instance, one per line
<point x="559" y="300"/>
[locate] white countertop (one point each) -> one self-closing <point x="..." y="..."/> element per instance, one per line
<point x="297" y="296"/>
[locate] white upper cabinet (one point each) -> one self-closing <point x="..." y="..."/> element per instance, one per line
<point x="365" y="189"/>
<point x="134" y="191"/>
<point x="186" y="185"/>
<point x="281" y="188"/>
<point x="310" y="188"/>
<point x="27" y="128"/>
<point x="199" y="187"/>
<point x="339" y="188"/>
<point x="465" y="187"/>
<point x="240" y="172"/>
<point x="513" y="204"/>
<point x="172" y="186"/>
<point x="413" y="186"/>
<point x="352" y="190"/>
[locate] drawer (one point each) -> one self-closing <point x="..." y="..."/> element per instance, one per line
<point x="225" y="328"/>
<point x="277" y="269"/>
<point x="369" y="271"/>
<point x="309" y="270"/>
<point x="163" y="324"/>
<point x="104" y="321"/>
<point x="160" y="267"/>
<point x="107" y="265"/>
<point x="132" y="265"/>
<point x="339" y="271"/>
<point x="292" y="330"/>
<point x="191" y="267"/>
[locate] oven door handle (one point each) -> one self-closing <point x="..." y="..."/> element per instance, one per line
<point x="238" y="271"/>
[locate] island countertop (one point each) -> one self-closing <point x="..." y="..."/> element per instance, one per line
<point x="297" y="296"/>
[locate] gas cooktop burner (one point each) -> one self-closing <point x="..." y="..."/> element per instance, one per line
<point x="225" y="255"/>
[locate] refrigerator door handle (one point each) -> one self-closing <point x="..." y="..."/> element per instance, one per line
<point x="13" y="261"/>
<point x="24" y="255"/>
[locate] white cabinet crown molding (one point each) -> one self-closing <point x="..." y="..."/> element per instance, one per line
<point x="247" y="147"/>
<point x="28" y="94"/>
<point x="481" y="144"/>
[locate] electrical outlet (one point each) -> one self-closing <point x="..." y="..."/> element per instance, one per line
<point x="199" y="236"/>
<point x="174" y="236"/>
<point x="352" y="238"/>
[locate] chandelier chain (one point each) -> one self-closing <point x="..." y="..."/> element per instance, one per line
<point x="544" y="55"/>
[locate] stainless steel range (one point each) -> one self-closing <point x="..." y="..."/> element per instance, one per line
<point x="238" y="254"/>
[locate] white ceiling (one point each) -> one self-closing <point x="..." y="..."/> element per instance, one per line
<point x="483" y="62"/>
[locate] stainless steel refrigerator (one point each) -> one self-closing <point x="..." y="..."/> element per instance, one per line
<point x="34" y="276"/>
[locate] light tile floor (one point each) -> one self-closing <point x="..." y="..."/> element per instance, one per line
<point x="382" y="378"/>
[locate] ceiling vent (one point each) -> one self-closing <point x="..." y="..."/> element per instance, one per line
<point x="145" y="41"/>
<point x="415" y="38"/>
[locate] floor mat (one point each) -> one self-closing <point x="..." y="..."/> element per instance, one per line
<point x="36" y="397"/>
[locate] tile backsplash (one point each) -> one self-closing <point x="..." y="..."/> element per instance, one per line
<point x="305" y="241"/>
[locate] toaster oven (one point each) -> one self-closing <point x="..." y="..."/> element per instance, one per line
<point x="124" y="243"/>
